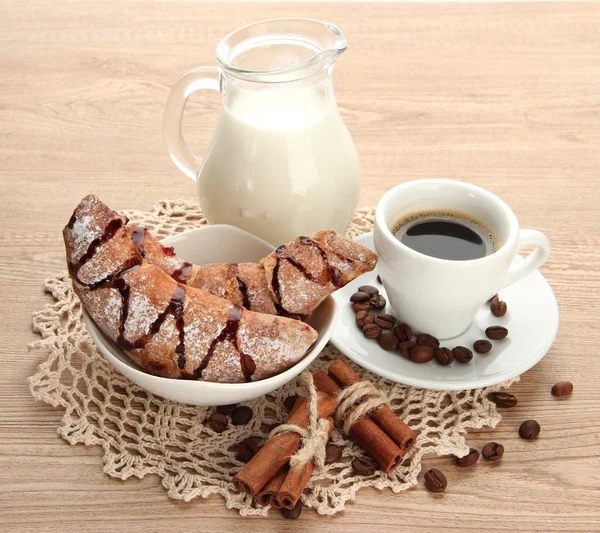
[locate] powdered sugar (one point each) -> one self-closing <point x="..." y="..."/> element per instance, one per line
<point x="141" y="315"/>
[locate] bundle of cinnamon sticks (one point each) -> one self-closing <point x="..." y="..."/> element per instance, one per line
<point x="269" y="478"/>
<point x="382" y="434"/>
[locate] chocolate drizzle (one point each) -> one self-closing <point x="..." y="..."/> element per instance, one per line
<point x="182" y="274"/>
<point x="111" y="229"/>
<point x="244" y="290"/>
<point x="329" y="274"/>
<point x="229" y="334"/>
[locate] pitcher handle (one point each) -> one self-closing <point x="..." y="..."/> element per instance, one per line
<point x="527" y="238"/>
<point x="193" y="80"/>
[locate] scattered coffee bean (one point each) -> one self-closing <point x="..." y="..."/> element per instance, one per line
<point x="241" y="415"/>
<point x="372" y="331"/>
<point x="421" y="354"/>
<point x="359" y="297"/>
<point x="333" y="453"/>
<point x="564" y="388"/>
<point x="444" y="356"/>
<point x="503" y="399"/>
<point x="379" y="279"/>
<point x="226" y="409"/>
<point x="462" y="354"/>
<point x="496" y="333"/>
<point x="529" y="430"/>
<point x="267" y="428"/>
<point x="428" y="340"/>
<point x="495" y="297"/>
<point x="482" y="346"/>
<point x="363" y="318"/>
<point x="378" y="302"/>
<point x="492" y="451"/>
<point x="247" y="449"/>
<point x="360" y="318"/>
<point x="218" y="422"/>
<point x="385" y="321"/>
<point x="361" y="306"/>
<point x="364" y="466"/>
<point x="403" y="332"/>
<point x="470" y="459"/>
<point x="498" y="308"/>
<point x="435" y="481"/>
<point x="405" y="348"/>
<point x="388" y="341"/>
<point x="369" y="289"/>
<point x="292" y="514"/>
<point x="289" y="402"/>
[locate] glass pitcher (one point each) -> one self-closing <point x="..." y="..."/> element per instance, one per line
<point x="281" y="162"/>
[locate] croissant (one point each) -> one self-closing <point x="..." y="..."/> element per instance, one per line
<point x="168" y="328"/>
<point x="291" y="281"/>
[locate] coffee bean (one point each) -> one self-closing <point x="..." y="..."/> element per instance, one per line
<point x="378" y="302"/>
<point x="379" y="279"/>
<point x="444" y="356"/>
<point x="241" y="415"/>
<point x="363" y="318"/>
<point x="470" y="459"/>
<point x="403" y="332"/>
<point x="503" y="399"/>
<point x="333" y="453"/>
<point x="496" y="333"/>
<point x="498" y="308"/>
<point x="364" y="466"/>
<point x="218" y="422"/>
<point x="385" y="321"/>
<point x="529" y="430"/>
<point x="359" y="297"/>
<point x="372" y="331"/>
<point x="428" y="340"/>
<point x="462" y="354"/>
<point x="564" y="388"/>
<point x="405" y="348"/>
<point x="369" y="289"/>
<point x="495" y="297"/>
<point x="226" y="409"/>
<point x="388" y="341"/>
<point x="492" y="451"/>
<point x="247" y="449"/>
<point x="361" y="306"/>
<point x="292" y="514"/>
<point x="482" y="346"/>
<point x="421" y="354"/>
<point x="289" y="402"/>
<point x="435" y="481"/>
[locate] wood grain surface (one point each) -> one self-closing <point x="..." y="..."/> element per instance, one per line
<point x="506" y="96"/>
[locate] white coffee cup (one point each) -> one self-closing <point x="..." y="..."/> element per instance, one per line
<point x="439" y="296"/>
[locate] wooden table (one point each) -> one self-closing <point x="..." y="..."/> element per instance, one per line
<point x="506" y="96"/>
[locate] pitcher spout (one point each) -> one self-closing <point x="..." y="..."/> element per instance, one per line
<point x="281" y="50"/>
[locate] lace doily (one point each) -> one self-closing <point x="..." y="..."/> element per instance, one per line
<point x="144" y="434"/>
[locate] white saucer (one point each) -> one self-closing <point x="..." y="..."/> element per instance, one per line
<point x="532" y="322"/>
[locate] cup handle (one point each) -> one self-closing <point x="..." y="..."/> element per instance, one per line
<point x="193" y="80"/>
<point x="529" y="237"/>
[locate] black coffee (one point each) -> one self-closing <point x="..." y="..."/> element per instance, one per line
<point x="445" y="236"/>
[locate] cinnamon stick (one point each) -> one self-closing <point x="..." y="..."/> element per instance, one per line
<point x="383" y="416"/>
<point x="278" y="449"/>
<point x="296" y="480"/>
<point x="268" y="495"/>
<point x="367" y="434"/>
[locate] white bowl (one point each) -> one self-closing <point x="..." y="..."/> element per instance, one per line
<point x="216" y="244"/>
